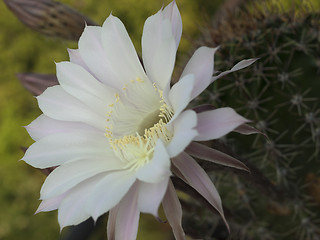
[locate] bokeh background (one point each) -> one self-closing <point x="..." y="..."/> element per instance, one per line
<point x="24" y="50"/>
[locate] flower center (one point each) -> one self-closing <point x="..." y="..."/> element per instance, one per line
<point x="136" y="121"/>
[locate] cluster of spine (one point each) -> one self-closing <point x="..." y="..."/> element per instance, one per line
<point x="280" y="93"/>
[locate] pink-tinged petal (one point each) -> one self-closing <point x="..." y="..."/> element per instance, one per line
<point x="184" y="132"/>
<point x="180" y="94"/>
<point x="158" y="169"/>
<point x="44" y="126"/>
<point x="151" y="195"/>
<point x="111" y="226"/>
<point x="128" y="216"/>
<point x="120" y="51"/>
<point x="50" y="204"/>
<point x="203" y="108"/>
<point x="209" y="154"/>
<point x="173" y="212"/>
<point x="158" y="49"/>
<point x="70" y="174"/>
<point x="172" y="13"/>
<point x="217" y="123"/>
<point x="201" y="66"/>
<point x="247" y="130"/>
<point x="105" y="195"/>
<point x="36" y="83"/>
<point x="75" y="57"/>
<point x="240" y="65"/>
<point x="59" y="105"/>
<point x="80" y="84"/>
<point x="94" y="56"/>
<point x="54" y="150"/>
<point x="198" y="179"/>
<point x="72" y="209"/>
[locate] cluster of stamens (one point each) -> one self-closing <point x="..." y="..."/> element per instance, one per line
<point x="137" y="150"/>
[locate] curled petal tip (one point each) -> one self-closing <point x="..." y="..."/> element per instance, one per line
<point x="246" y="129"/>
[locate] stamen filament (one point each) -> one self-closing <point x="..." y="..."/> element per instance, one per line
<point x="137" y="150"/>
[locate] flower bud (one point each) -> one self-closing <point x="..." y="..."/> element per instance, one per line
<point x="50" y="18"/>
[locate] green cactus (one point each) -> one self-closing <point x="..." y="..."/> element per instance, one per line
<point x="280" y="93"/>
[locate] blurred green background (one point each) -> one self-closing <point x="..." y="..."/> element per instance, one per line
<point x="23" y="50"/>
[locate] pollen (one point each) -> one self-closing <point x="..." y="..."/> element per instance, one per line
<point x="136" y="148"/>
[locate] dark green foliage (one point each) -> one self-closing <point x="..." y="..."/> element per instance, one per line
<point x="280" y="93"/>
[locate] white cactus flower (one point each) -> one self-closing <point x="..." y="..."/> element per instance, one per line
<point x="113" y="127"/>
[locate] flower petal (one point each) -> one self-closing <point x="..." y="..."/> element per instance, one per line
<point x="93" y="54"/>
<point x="120" y="51"/>
<point x="201" y="65"/>
<point x="151" y="195"/>
<point x="109" y="191"/>
<point x="158" y="169"/>
<point x="70" y="174"/>
<point x="209" y="154"/>
<point x="54" y="150"/>
<point x="217" y="123"/>
<point x="59" y="105"/>
<point x="36" y="83"/>
<point x="173" y="211"/>
<point x="158" y="49"/>
<point x="172" y="13"/>
<point x="198" y="179"/>
<point x="80" y="84"/>
<point x="203" y="108"/>
<point x="44" y="126"/>
<point x="240" y="65"/>
<point x="180" y="94"/>
<point x="247" y="130"/>
<point x="75" y="57"/>
<point x="184" y="132"/>
<point x="50" y="204"/>
<point x="111" y="226"/>
<point x="128" y="216"/>
<point x="72" y="211"/>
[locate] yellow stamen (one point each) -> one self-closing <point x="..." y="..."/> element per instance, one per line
<point x="137" y="150"/>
